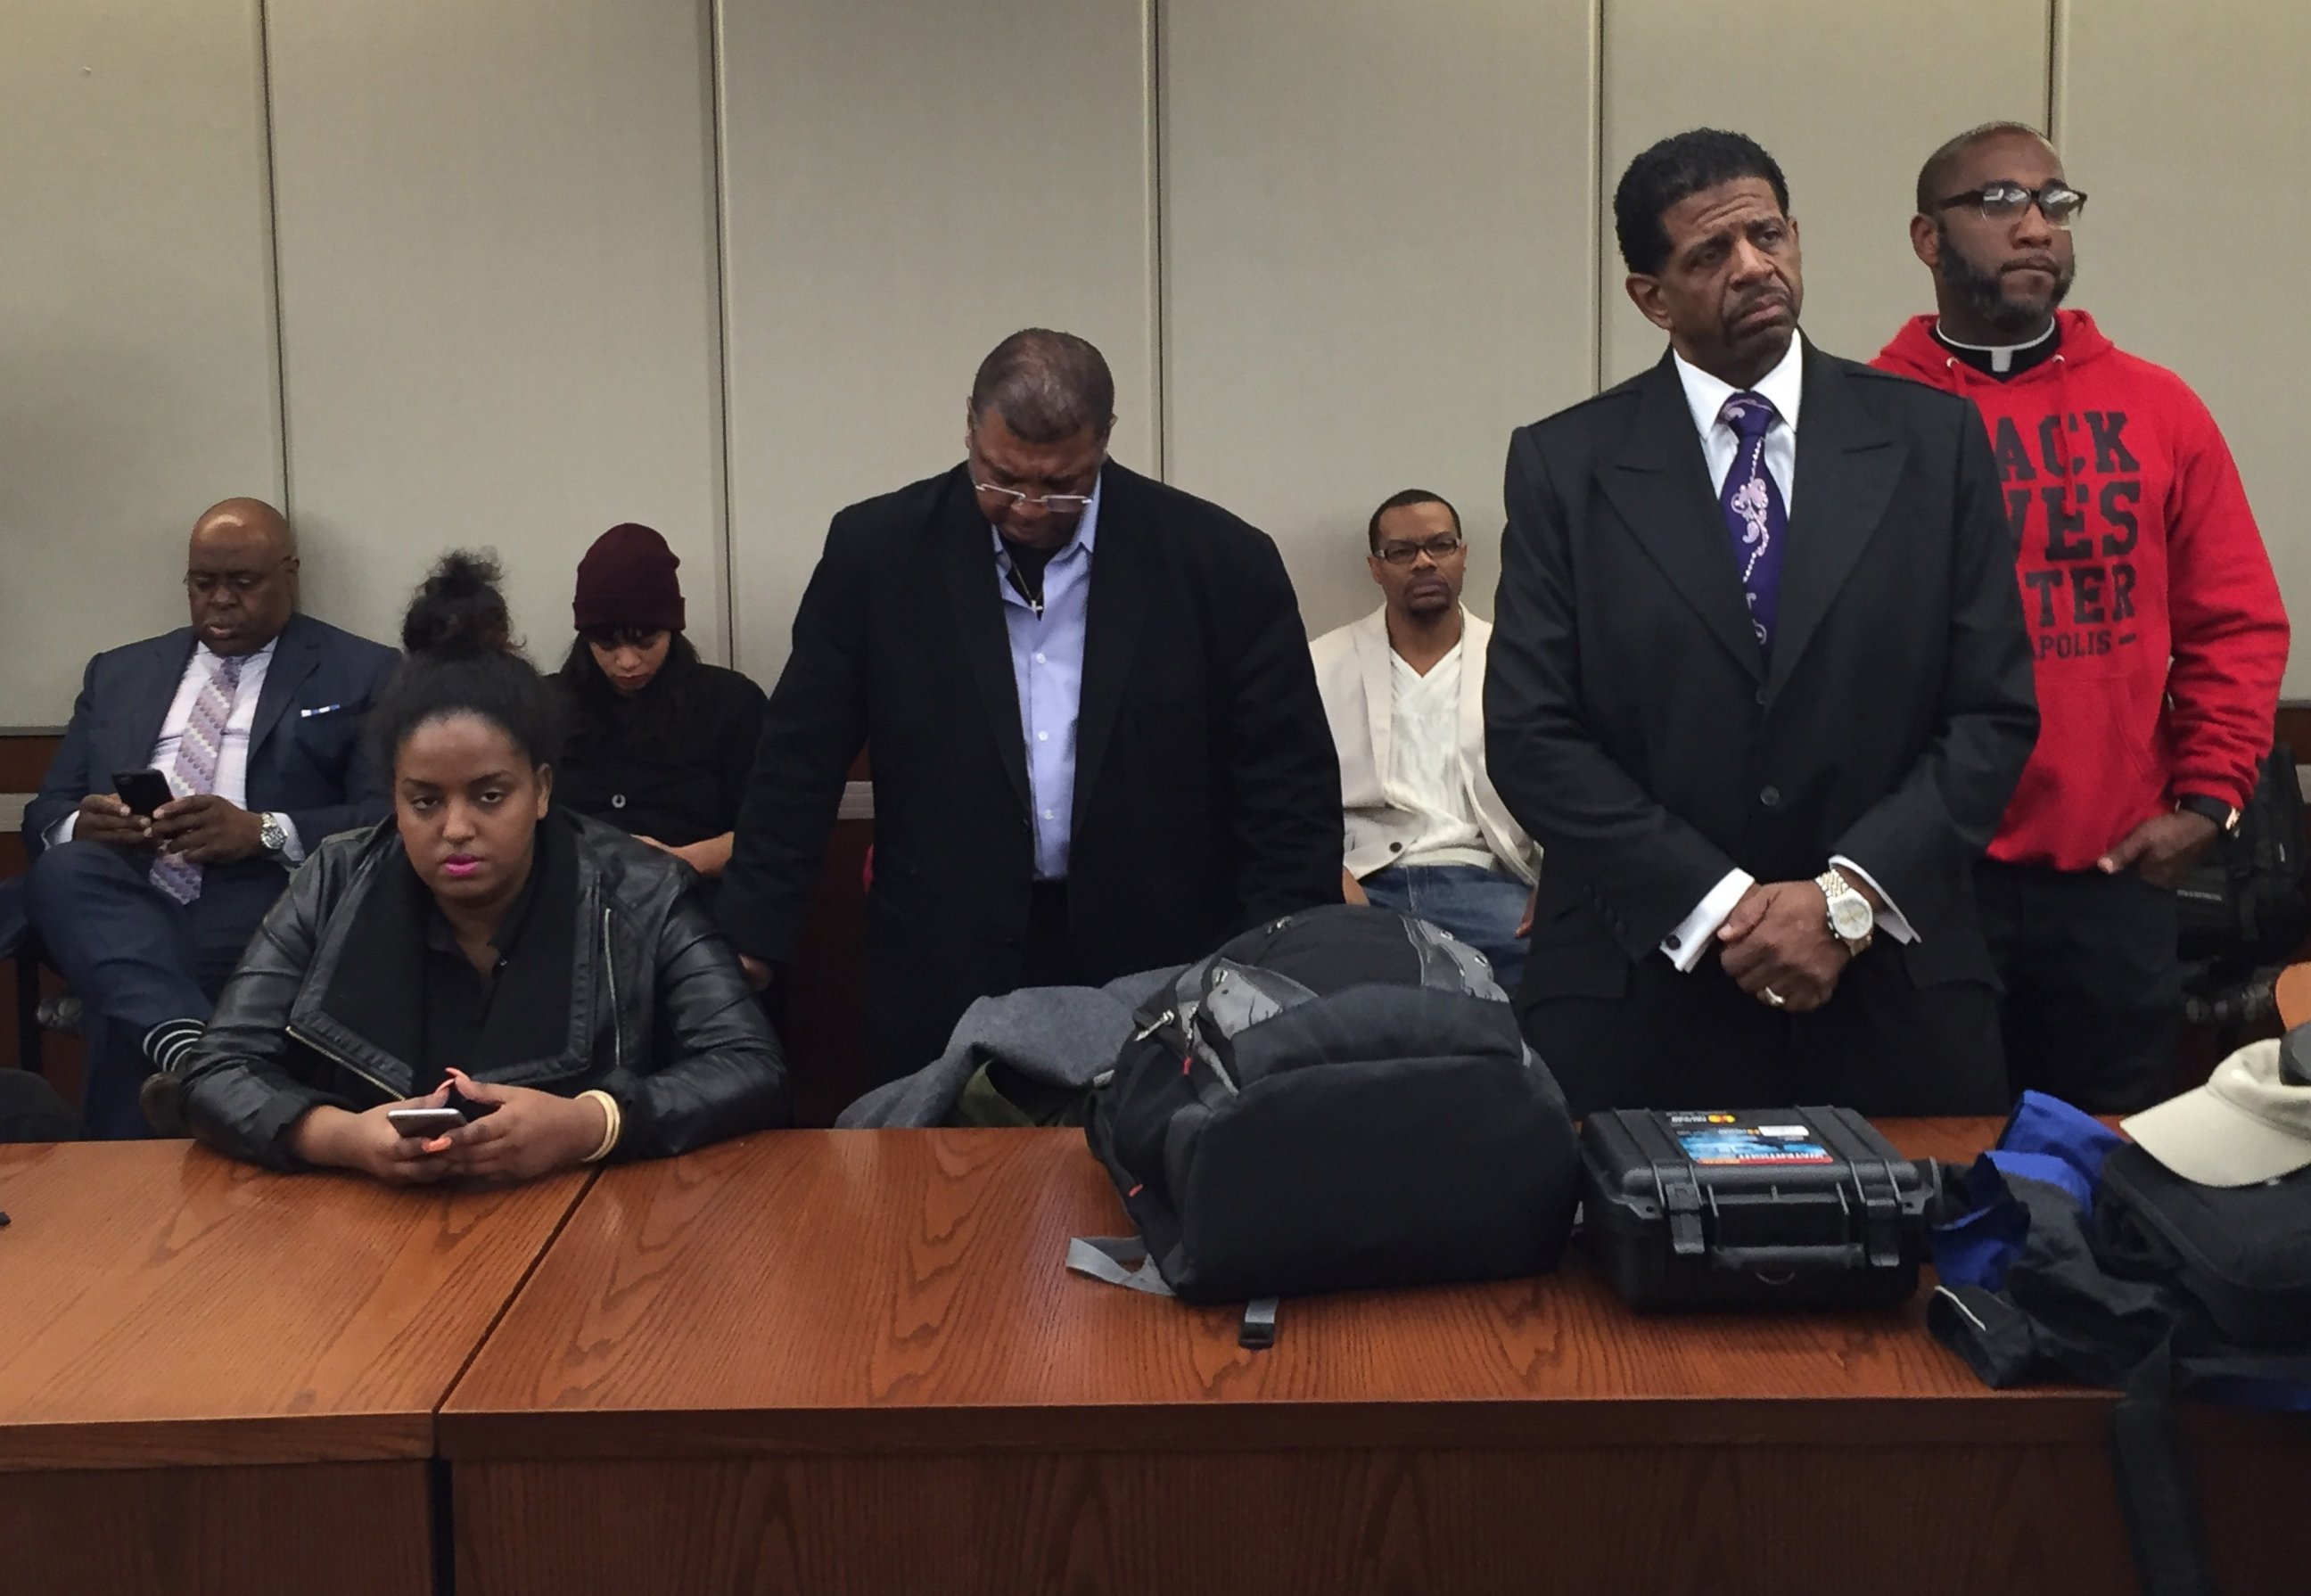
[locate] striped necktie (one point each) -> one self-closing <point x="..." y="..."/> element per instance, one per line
<point x="199" y="751"/>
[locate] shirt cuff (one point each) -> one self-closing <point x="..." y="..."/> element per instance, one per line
<point x="1889" y="919"/>
<point x="62" y="832"/>
<point x="1685" y="945"/>
<point x="292" y="848"/>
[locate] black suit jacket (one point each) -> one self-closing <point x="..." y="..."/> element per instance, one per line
<point x="307" y="757"/>
<point x="1207" y="793"/>
<point x="1636" y="729"/>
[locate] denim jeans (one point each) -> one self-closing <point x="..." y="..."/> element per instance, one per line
<point x="1478" y="906"/>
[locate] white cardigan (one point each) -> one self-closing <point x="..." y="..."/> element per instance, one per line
<point x="1352" y="673"/>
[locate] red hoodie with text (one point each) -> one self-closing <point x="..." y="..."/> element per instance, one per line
<point x="2155" y="622"/>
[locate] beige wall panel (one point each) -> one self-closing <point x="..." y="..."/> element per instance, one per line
<point x="905" y="185"/>
<point x="1850" y="96"/>
<point x="137" y="381"/>
<point x="499" y="307"/>
<point x="2192" y="251"/>
<point x="1378" y="260"/>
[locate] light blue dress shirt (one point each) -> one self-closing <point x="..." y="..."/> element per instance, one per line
<point x="1047" y="660"/>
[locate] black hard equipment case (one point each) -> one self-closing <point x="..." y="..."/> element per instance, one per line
<point x="1804" y="1207"/>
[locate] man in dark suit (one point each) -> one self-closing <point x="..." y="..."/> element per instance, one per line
<point x="1096" y="738"/>
<point x="1758" y="685"/>
<point x="252" y="714"/>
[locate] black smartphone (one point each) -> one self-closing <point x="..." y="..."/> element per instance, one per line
<point x="470" y="1108"/>
<point x="143" y="791"/>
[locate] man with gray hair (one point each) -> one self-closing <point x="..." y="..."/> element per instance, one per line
<point x="1097" y="742"/>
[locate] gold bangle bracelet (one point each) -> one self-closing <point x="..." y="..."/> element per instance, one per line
<point x="613" y="1123"/>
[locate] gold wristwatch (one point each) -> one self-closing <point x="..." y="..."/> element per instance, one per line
<point x="1852" y="920"/>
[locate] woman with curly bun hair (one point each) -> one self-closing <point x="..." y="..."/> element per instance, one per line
<point x="547" y="975"/>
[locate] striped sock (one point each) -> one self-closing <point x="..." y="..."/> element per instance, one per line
<point x="171" y="1043"/>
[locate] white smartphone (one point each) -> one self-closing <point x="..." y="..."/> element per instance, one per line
<point x="425" y="1122"/>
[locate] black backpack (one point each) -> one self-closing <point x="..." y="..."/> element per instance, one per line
<point x="1338" y="1098"/>
<point x="2233" y="1268"/>
<point x="2245" y="901"/>
<point x="2239" y="1258"/>
<point x="2167" y="1290"/>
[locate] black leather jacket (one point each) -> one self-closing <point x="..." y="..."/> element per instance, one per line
<point x="661" y="1017"/>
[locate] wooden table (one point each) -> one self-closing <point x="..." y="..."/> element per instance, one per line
<point x="214" y="1378"/>
<point x="852" y="1362"/>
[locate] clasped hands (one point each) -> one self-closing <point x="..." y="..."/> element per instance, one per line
<point x="1778" y="940"/>
<point x="202" y="829"/>
<point x="529" y="1133"/>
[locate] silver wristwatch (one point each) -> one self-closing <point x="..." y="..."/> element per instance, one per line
<point x="1852" y="920"/>
<point x="272" y="835"/>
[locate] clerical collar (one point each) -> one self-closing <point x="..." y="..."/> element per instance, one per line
<point x="2003" y="360"/>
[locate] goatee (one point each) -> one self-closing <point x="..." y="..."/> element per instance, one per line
<point x="1984" y="295"/>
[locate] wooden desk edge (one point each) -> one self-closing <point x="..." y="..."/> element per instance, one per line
<point x="2058" y="1415"/>
<point x="205" y="1442"/>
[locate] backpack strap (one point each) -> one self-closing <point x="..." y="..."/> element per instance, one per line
<point x="1118" y="1259"/>
<point x="2155" y="1498"/>
<point x="1123" y="1261"/>
<point x="1448" y="964"/>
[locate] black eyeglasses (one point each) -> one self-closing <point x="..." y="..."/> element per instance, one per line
<point x="1440" y="548"/>
<point x="2057" y="202"/>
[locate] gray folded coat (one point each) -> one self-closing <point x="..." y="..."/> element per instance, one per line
<point x="1056" y="1036"/>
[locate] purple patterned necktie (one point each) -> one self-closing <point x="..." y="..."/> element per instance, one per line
<point x="197" y="754"/>
<point x="1754" y="517"/>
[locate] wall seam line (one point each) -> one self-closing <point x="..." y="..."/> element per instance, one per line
<point x="1601" y="239"/>
<point x="273" y="253"/>
<point x="2054" y="32"/>
<point x="1159" y="277"/>
<point x="717" y="144"/>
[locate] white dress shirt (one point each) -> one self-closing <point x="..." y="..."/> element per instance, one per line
<point x="1424" y="777"/>
<point x="232" y="759"/>
<point x="1783" y="388"/>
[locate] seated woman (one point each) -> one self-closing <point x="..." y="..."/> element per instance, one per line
<point x="660" y="742"/>
<point x="551" y="969"/>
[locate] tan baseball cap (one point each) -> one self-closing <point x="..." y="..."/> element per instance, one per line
<point x="2247" y="1125"/>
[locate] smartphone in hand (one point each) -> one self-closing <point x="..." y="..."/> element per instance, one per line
<point x="143" y="791"/>
<point x="422" y="1123"/>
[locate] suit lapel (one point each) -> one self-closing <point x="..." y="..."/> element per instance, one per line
<point x="967" y="557"/>
<point x="161" y="671"/>
<point x="296" y="655"/>
<point x="1659" y="482"/>
<point x="1848" y="464"/>
<point x="1372" y="654"/>
<point x="1475" y="637"/>
<point x="1122" y="570"/>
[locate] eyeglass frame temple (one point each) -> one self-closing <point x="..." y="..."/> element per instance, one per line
<point x="1074" y="501"/>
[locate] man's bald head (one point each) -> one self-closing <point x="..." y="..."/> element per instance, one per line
<point x="248" y="516"/>
<point x="240" y="575"/>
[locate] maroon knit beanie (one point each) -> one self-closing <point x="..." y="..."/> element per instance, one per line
<point x="627" y="580"/>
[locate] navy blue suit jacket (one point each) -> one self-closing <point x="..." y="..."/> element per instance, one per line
<point x="307" y="758"/>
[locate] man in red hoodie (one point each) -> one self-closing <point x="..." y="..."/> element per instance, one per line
<point x="2156" y="627"/>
